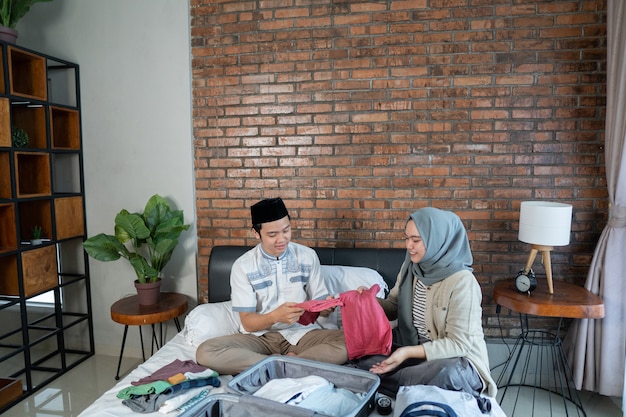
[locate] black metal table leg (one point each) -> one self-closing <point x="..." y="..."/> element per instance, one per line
<point x="119" y="362"/>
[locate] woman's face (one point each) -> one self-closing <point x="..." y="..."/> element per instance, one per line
<point x="414" y="243"/>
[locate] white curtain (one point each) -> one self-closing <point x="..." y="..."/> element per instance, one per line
<point x="597" y="348"/>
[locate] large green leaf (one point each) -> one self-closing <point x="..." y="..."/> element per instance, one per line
<point x="11" y="11"/>
<point x="105" y="248"/>
<point x="161" y="252"/>
<point x="130" y="226"/>
<point x="157" y="211"/>
<point x="171" y="228"/>
<point x="145" y="273"/>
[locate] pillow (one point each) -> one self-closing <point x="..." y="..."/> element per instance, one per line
<point x="210" y="320"/>
<point x="341" y="278"/>
<point x="218" y="319"/>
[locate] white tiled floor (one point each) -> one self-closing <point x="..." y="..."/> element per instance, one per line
<point x="71" y="393"/>
<point x="68" y="395"/>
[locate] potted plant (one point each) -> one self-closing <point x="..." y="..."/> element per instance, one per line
<point x="19" y="137"/>
<point x="147" y="240"/>
<point x="11" y="11"/>
<point x="37" y="232"/>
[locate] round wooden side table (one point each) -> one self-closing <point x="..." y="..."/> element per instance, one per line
<point x="129" y="312"/>
<point x="545" y="366"/>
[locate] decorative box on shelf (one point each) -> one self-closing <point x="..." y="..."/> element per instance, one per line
<point x="39" y="273"/>
<point x="10" y="389"/>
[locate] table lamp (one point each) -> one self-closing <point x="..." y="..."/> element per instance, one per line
<point x="544" y="225"/>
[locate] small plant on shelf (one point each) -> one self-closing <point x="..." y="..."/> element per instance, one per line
<point x="19" y="137"/>
<point x="37" y="233"/>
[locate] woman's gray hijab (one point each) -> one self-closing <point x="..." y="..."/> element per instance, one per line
<point x="447" y="247"/>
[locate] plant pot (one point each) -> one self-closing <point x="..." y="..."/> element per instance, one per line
<point x="8" y="35"/>
<point x="36" y="242"/>
<point x="148" y="293"/>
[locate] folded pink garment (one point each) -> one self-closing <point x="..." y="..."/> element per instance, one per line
<point x="313" y="307"/>
<point x="365" y="325"/>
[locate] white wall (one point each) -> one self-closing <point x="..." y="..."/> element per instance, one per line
<point x="134" y="59"/>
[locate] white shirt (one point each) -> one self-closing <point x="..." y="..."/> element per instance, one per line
<point x="260" y="283"/>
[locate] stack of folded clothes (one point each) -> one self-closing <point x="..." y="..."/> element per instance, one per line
<point x="177" y="386"/>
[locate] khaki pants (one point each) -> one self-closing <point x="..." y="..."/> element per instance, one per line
<point x="235" y="353"/>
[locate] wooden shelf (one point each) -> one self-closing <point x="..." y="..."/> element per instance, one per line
<point x="35" y="213"/>
<point x="5" y="122"/>
<point x="5" y="175"/>
<point x="65" y="128"/>
<point x="3" y="89"/>
<point x="10" y="389"/>
<point x="8" y="237"/>
<point x="33" y="120"/>
<point x="8" y="273"/>
<point x="69" y="217"/>
<point x="39" y="273"/>
<point x="27" y="74"/>
<point x="32" y="171"/>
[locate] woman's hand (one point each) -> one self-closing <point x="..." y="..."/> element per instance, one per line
<point x="361" y="289"/>
<point x="391" y="363"/>
<point x="400" y="355"/>
<point x="328" y="311"/>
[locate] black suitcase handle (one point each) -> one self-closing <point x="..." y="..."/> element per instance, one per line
<point x="446" y="410"/>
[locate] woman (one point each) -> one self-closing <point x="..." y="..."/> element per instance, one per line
<point x="436" y="300"/>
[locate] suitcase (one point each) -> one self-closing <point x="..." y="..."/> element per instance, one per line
<point x="241" y="402"/>
<point x="234" y="405"/>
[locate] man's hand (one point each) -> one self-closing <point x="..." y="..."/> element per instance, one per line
<point x="287" y="313"/>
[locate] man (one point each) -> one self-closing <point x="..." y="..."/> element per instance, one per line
<point x="267" y="283"/>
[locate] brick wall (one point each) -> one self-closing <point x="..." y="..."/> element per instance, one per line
<point x="357" y="113"/>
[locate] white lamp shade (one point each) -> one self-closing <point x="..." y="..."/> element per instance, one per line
<point x="545" y="223"/>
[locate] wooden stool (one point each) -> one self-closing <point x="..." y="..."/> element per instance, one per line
<point x="568" y="301"/>
<point x="129" y="312"/>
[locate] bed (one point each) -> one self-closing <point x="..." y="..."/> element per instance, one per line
<point x="343" y="269"/>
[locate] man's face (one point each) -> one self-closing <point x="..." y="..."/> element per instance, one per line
<point x="275" y="236"/>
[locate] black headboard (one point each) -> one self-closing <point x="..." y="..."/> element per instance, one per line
<point x="386" y="261"/>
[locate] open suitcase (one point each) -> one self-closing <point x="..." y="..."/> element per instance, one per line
<point x="242" y="403"/>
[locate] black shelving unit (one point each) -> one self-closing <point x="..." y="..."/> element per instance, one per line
<point x="46" y="324"/>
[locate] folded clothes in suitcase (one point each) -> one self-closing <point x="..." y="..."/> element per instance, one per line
<point x="243" y="403"/>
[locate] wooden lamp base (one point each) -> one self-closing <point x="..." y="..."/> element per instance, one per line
<point x="547" y="263"/>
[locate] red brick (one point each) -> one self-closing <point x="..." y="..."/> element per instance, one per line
<point x="359" y="113"/>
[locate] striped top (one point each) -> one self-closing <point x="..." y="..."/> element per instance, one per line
<point x="419" y="311"/>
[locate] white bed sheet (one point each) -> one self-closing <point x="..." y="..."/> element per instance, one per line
<point x="108" y="405"/>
